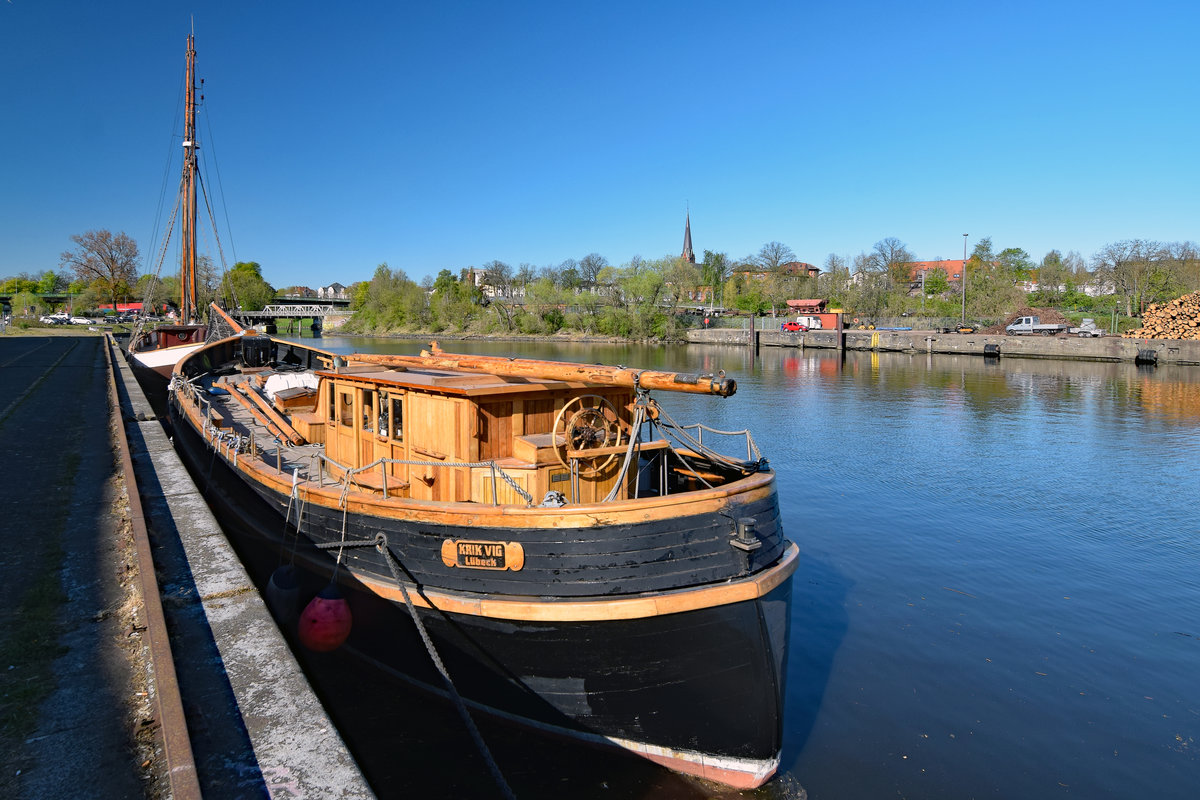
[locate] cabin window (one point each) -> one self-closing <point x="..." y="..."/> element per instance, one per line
<point x="391" y="420"/>
<point x="333" y="403"/>
<point x="346" y="407"/>
<point x="368" y="416"/>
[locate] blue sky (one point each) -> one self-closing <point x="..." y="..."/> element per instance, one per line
<point x="447" y="134"/>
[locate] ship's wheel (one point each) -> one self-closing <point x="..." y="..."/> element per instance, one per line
<point x="586" y="427"/>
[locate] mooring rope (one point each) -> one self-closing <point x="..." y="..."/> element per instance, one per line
<point x="380" y="543"/>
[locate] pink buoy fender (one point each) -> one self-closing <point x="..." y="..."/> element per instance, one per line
<point x="326" y="621"/>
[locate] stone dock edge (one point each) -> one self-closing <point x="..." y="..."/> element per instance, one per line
<point x="257" y="725"/>
<point x="1105" y="348"/>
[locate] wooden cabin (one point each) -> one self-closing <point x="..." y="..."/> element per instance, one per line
<point x="369" y="413"/>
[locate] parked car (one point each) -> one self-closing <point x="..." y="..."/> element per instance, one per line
<point x="1033" y="325"/>
<point x="54" y="319"/>
<point x="82" y="321"/>
<point x="793" y="327"/>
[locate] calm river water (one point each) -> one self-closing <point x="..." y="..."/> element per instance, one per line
<point x="999" y="593"/>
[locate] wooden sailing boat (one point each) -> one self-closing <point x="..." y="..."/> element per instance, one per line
<point x="155" y="352"/>
<point x="580" y="562"/>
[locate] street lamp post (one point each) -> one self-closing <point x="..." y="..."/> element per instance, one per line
<point x="964" y="281"/>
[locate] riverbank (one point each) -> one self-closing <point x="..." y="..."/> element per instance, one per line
<point x="1106" y="348"/>
<point x="510" y="336"/>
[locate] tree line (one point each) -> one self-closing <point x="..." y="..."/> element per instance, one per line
<point x="102" y="270"/>
<point x="646" y="298"/>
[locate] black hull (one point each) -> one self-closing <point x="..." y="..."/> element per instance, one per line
<point x="650" y="556"/>
<point x="700" y="691"/>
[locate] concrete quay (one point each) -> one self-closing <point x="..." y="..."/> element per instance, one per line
<point x="1105" y="348"/>
<point x="95" y="725"/>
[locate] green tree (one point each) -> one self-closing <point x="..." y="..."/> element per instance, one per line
<point x="990" y="283"/>
<point x="154" y="292"/>
<point x="545" y="302"/>
<point x="1015" y="263"/>
<point x="867" y="296"/>
<point x="245" y="286"/>
<point x="1053" y="278"/>
<point x="52" y="282"/>
<point x="715" y="272"/>
<point x="25" y="303"/>
<point x="937" y="282"/>
<point x="20" y="283"/>
<point x="453" y="303"/>
<point x="567" y="276"/>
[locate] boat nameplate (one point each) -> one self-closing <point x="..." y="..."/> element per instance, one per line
<point x="474" y="554"/>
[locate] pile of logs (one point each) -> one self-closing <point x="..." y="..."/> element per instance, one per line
<point x="1178" y="319"/>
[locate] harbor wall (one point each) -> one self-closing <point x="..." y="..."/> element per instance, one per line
<point x="1106" y="348"/>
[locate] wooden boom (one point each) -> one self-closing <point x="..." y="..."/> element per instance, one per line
<point x="560" y="371"/>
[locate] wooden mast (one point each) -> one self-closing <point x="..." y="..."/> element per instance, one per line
<point x="187" y="271"/>
<point x="560" y="371"/>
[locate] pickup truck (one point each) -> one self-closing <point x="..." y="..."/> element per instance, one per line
<point x="1030" y="325"/>
<point x="1086" y="329"/>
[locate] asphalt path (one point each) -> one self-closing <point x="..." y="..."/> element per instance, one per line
<point x="60" y="627"/>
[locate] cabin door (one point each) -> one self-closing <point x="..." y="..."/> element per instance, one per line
<point x="342" y="446"/>
<point x="366" y="436"/>
<point x="435" y="433"/>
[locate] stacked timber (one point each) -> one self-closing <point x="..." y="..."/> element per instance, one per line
<point x="1178" y="319"/>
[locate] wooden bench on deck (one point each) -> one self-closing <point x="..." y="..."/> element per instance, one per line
<point x="373" y="479"/>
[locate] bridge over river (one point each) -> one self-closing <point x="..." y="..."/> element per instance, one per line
<point x="316" y="309"/>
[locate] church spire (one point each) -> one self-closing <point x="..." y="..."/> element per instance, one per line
<point x="688" y="254"/>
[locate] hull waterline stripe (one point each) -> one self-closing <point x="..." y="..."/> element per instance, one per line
<point x="533" y="609"/>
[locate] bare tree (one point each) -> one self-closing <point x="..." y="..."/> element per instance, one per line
<point x="891" y="257"/>
<point x="1185" y="263"/>
<point x="835" y="275"/>
<point x="1130" y="266"/>
<point x="589" y="268"/>
<point x="526" y="274"/>
<point x="499" y="276"/>
<point x="773" y="254"/>
<point x="103" y="260"/>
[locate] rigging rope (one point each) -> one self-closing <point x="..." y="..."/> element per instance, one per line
<point x="381" y="544"/>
